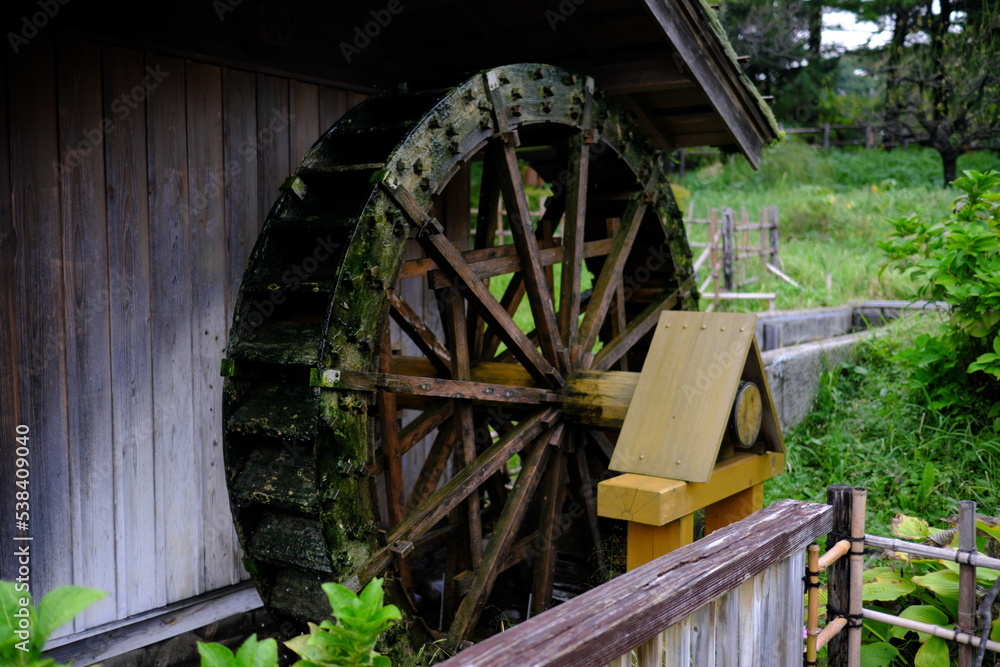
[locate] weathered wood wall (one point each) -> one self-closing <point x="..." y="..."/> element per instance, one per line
<point x="134" y="185"/>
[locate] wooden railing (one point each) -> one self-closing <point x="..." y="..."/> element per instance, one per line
<point x="733" y="597"/>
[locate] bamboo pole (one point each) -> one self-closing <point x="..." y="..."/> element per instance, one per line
<point x="954" y="555"/>
<point x="936" y="630"/>
<point x="966" y="580"/>
<point x="859" y="498"/>
<point x="712" y="221"/>
<point x="832" y="629"/>
<point x="812" y="618"/>
<point x="834" y="553"/>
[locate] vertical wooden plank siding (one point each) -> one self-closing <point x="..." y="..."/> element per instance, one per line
<point x="703" y="630"/>
<point x="178" y="495"/>
<point x="304" y="127"/>
<point x="88" y="338"/>
<point x="244" y="218"/>
<point x="273" y="163"/>
<point x="207" y="218"/>
<point x="140" y="587"/>
<point x="332" y="105"/>
<point x="727" y="610"/>
<point x="10" y="415"/>
<point x="41" y="326"/>
<point x="793" y="614"/>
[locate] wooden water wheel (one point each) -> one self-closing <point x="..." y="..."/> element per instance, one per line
<point x="346" y="461"/>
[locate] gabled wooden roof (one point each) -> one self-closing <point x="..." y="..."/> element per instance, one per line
<point x="667" y="60"/>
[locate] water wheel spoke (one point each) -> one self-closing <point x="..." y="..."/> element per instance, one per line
<point x="549" y="533"/>
<point x="465" y="429"/>
<point x="504" y="532"/>
<point x="511" y="299"/>
<point x="588" y="492"/>
<point x="421" y="426"/>
<point x="603" y="442"/>
<point x="611" y="273"/>
<point x="391" y="450"/>
<point x="414" y="327"/>
<point x="491" y="310"/>
<point x="433" y="466"/>
<point x="487" y="222"/>
<point x="508" y="172"/>
<point x="619" y="346"/>
<point x="573" y="242"/>
<point x="466" y="481"/>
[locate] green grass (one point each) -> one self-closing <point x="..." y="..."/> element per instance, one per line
<point x="832" y="210"/>
<point x="869" y="428"/>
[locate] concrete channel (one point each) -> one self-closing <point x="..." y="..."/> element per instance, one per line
<point x="798" y="345"/>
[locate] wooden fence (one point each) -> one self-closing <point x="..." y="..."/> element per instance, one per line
<point x="737" y="253"/>
<point x="732" y="598"/>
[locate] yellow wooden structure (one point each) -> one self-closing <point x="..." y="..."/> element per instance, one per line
<point x="676" y="446"/>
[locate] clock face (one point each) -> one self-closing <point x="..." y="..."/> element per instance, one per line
<point x="747" y="413"/>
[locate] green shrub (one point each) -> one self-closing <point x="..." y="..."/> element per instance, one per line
<point x="957" y="261"/>
<point x="350" y="642"/>
<point x="24" y="628"/>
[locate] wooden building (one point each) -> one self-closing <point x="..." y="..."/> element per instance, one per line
<point x="141" y="146"/>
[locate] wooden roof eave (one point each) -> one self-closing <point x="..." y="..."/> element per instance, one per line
<point x="713" y="65"/>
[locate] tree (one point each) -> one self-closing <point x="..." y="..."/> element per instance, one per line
<point x="941" y="71"/>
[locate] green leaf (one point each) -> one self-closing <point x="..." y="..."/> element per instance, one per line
<point x="257" y="654"/>
<point x="934" y="653"/>
<point x="885" y="584"/>
<point x="215" y="655"/>
<point x="878" y="654"/>
<point x="944" y="583"/>
<point x="923" y="613"/>
<point x="910" y="527"/>
<point x="927" y="479"/>
<point x="992" y="531"/>
<point x="62" y="605"/>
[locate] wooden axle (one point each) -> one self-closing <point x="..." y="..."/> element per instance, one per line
<point x="591" y="398"/>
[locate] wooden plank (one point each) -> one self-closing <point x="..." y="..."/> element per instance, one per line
<point x="693" y="367"/>
<point x="657" y="501"/>
<point x="650" y="654"/>
<point x="155" y="626"/>
<point x="433" y="466"/>
<point x="549" y="531"/>
<point x="703" y="625"/>
<point x="751" y="592"/>
<point x="677" y="643"/>
<point x="10" y="417"/>
<point x="273" y="161"/>
<point x="385" y="403"/>
<point x="88" y="338"/>
<point x="209" y="271"/>
<point x="41" y="327"/>
<point x="244" y="218"/>
<point x="304" y="130"/>
<point x="727" y="629"/>
<point x="332" y="105"/>
<point x="139" y="588"/>
<point x="177" y="456"/>
<point x="599" y="625"/>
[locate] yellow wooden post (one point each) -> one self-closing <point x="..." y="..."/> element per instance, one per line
<point x="735" y="507"/>
<point x="660" y="512"/>
<point x="647" y="542"/>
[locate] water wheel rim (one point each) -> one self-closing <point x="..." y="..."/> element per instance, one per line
<point x="391" y="199"/>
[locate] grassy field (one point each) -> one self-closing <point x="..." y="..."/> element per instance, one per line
<point x="869" y="427"/>
<point x="832" y="210"/>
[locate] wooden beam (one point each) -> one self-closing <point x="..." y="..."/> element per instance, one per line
<point x="413" y="326"/>
<point x="657" y="501"/>
<point x="431" y="386"/>
<point x="641" y="76"/>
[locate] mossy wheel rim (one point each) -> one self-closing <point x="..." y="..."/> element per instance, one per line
<point x="323" y="423"/>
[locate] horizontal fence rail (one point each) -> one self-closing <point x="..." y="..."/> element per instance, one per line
<point x="682" y="608"/>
